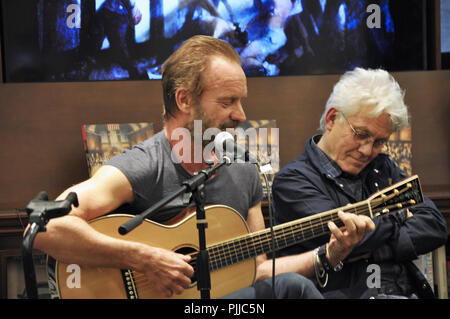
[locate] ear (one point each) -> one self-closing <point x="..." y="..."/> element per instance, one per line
<point x="183" y="100"/>
<point x="331" y="118"/>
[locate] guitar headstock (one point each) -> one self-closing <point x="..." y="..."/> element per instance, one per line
<point x="404" y="194"/>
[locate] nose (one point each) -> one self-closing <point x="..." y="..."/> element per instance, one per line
<point x="366" y="148"/>
<point x="238" y="114"/>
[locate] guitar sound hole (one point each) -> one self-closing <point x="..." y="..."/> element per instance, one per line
<point x="193" y="253"/>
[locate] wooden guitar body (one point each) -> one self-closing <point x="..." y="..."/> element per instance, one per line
<point x="107" y="283"/>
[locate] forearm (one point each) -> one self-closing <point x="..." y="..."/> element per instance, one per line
<point x="70" y="239"/>
<point x="300" y="263"/>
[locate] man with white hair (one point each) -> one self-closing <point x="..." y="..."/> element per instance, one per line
<point x="345" y="164"/>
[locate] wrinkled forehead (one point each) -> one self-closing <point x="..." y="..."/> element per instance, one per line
<point x="376" y="125"/>
<point x="224" y="73"/>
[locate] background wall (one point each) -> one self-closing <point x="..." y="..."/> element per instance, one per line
<point x="41" y="146"/>
<point x="40" y="124"/>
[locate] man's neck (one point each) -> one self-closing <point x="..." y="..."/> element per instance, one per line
<point x="322" y="144"/>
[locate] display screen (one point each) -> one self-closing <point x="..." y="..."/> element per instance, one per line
<point x="445" y="34"/>
<point x="94" y="40"/>
<point x="445" y="26"/>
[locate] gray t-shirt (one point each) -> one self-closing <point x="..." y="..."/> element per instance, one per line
<point x="153" y="175"/>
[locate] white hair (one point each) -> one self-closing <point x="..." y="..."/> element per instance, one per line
<point x="374" y="89"/>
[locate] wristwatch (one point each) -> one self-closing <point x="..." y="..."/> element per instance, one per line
<point x="322" y="253"/>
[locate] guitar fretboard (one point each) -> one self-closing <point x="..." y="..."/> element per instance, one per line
<point x="404" y="194"/>
<point x="251" y="245"/>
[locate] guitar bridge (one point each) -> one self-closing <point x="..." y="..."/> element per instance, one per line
<point x="129" y="284"/>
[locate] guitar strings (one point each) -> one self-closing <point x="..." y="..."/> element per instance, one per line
<point x="261" y="242"/>
<point x="238" y="247"/>
<point x="220" y="253"/>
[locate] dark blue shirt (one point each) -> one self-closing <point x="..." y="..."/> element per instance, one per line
<point x="313" y="183"/>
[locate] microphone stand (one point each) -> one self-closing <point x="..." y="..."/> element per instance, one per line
<point x="40" y="210"/>
<point x="195" y="186"/>
<point x="264" y="169"/>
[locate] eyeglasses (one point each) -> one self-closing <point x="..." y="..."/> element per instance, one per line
<point x="365" y="137"/>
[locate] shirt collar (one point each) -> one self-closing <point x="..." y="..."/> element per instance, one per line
<point x="330" y="167"/>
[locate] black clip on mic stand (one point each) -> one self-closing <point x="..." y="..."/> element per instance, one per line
<point x="40" y="210"/>
<point x="194" y="185"/>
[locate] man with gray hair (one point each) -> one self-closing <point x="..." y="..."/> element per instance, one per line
<point x="345" y="165"/>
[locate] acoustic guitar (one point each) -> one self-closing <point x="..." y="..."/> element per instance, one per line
<point x="231" y="248"/>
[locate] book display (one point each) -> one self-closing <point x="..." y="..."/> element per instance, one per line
<point x="261" y="138"/>
<point x="103" y="141"/>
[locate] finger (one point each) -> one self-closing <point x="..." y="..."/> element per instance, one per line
<point x="174" y="278"/>
<point x="183" y="281"/>
<point x="349" y="222"/>
<point x="162" y="287"/>
<point x="335" y="231"/>
<point x="186" y="258"/>
<point x="170" y="282"/>
<point x="168" y="293"/>
<point x="370" y="225"/>
<point x="363" y="224"/>
<point x="360" y="224"/>
<point x="178" y="289"/>
<point x="187" y="269"/>
<point x="180" y="282"/>
<point x="172" y="285"/>
<point x="408" y="214"/>
<point x="182" y="264"/>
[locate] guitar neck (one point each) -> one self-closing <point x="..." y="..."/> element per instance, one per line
<point x="285" y="235"/>
<point x="403" y="194"/>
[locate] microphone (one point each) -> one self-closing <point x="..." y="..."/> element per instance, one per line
<point x="224" y="144"/>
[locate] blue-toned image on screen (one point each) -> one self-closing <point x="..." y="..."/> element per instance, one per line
<point x="445" y="26"/>
<point x="92" y="40"/>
